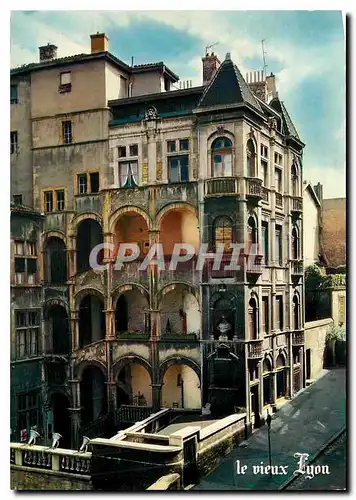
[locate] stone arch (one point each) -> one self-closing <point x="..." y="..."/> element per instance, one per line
<point x="267" y="362"/>
<point x="174" y="206"/>
<point x="53" y="234"/>
<point x="79" y="296"/>
<point x="55" y="302"/>
<point x="120" y="289"/>
<point x="85" y="215"/>
<point x="181" y="384"/>
<point x="130" y="358"/>
<point x="82" y="366"/>
<point x="220" y="133"/>
<point x="115" y="216"/>
<point x="172" y="286"/>
<point x="281" y="359"/>
<point x="180" y="360"/>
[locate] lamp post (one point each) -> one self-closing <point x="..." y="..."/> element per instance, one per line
<point x="268" y="420"/>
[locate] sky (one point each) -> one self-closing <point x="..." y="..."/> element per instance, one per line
<point x="304" y="49"/>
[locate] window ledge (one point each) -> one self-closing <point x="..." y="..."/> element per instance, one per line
<point x="67" y="87"/>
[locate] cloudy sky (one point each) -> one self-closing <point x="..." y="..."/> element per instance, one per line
<point x="305" y="49"/>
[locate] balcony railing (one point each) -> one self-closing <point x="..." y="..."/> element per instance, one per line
<point x="297" y="204"/>
<point x="254" y="264"/>
<point x="297" y="267"/>
<point x="255" y="350"/>
<point x="42" y="457"/>
<point x="254" y="188"/>
<point x="221" y="186"/>
<point x="264" y="194"/>
<point x="129" y="414"/>
<point x="279" y="200"/>
<point x="298" y="338"/>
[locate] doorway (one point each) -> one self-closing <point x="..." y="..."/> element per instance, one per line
<point x="308" y="363"/>
<point x="255" y="407"/>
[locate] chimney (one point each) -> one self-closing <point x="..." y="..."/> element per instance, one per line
<point x="211" y="64"/>
<point x="271" y="87"/>
<point x="257" y="84"/>
<point x="319" y="192"/>
<point x="99" y="43"/>
<point x="48" y="52"/>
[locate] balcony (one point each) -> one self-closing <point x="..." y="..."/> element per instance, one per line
<point x="255" y="350"/>
<point x="184" y="272"/>
<point x="265" y="194"/>
<point x="279" y="200"/>
<point x="254" y="189"/>
<point x="222" y="186"/>
<point x="131" y="273"/>
<point x="298" y="338"/>
<point x="296" y="205"/>
<point x="253" y="266"/>
<point x="297" y="269"/>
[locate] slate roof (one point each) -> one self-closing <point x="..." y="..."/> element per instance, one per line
<point x="228" y="87"/>
<point x="24" y="210"/>
<point x="288" y="126"/>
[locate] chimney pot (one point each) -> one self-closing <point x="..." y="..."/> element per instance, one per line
<point x="99" y="43"/>
<point x="211" y="64"/>
<point x="48" y="52"/>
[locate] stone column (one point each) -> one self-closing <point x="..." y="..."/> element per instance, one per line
<point x="75" y="427"/>
<point x="156" y="396"/>
<point x="74" y="320"/>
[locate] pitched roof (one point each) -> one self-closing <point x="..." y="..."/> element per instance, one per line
<point x="228" y="87"/>
<point x="288" y="126"/>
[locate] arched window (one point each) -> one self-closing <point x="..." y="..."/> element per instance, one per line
<point x="252" y="239"/>
<point x="295" y="243"/>
<point x="223" y="318"/>
<point x="221" y="150"/>
<point x="294" y="180"/>
<point x="267" y="367"/>
<point x="251" y="159"/>
<point x="223" y="233"/>
<point x="296" y="313"/>
<point x="252" y="319"/>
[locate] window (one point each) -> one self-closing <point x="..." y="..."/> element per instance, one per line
<point x="13" y="94"/>
<point x="122" y="151"/>
<point x="223" y="233"/>
<point x="134" y="150"/>
<point x="31" y="248"/>
<point x="264" y="168"/>
<point x="251" y="232"/>
<point x="279" y="312"/>
<point x="128" y="174"/>
<point x="31" y="271"/>
<point x="294" y="181"/>
<point x="60" y="200"/>
<point x="67" y="132"/>
<point x="171" y="146"/>
<point x="94" y="182"/>
<point x="278" y="179"/>
<point x="17" y="199"/>
<point x="28" y="411"/>
<point x="252" y="319"/>
<point x="48" y="201"/>
<point x="278" y="158"/>
<point x="296" y="314"/>
<point x="264" y="151"/>
<point x="82" y="183"/>
<point x="278" y="244"/>
<point x="251" y="159"/>
<point x="295" y="243"/>
<point x="65" y="78"/>
<point x="183" y="144"/>
<point x="178" y="168"/>
<point x="221" y="150"/>
<point x="13" y="142"/>
<point x="264" y="235"/>
<point x="27" y="333"/>
<point x="19" y="247"/>
<point x="265" y="315"/>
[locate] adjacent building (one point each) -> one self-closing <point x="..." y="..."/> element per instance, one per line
<point x="112" y="153"/>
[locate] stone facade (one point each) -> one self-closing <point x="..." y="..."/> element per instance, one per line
<point x="175" y="167"/>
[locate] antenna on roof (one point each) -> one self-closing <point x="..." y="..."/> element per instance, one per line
<point x="264" y="53"/>
<point x="132" y="60"/>
<point x="209" y="47"/>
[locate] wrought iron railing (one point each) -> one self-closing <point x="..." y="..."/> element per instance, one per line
<point x="127" y="414"/>
<point x="297" y="266"/>
<point x="298" y="338"/>
<point x="254" y="187"/>
<point x="297" y="204"/>
<point x="265" y="194"/>
<point x="255" y="349"/>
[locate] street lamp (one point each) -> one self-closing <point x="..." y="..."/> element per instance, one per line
<point x="269" y="420"/>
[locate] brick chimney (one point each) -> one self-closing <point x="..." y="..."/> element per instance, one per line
<point x="99" y="43"/>
<point x="48" y="52"/>
<point x="257" y="84"/>
<point x="211" y="64"/>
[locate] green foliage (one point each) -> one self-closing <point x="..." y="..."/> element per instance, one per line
<point x="315" y="279"/>
<point x="336" y="333"/>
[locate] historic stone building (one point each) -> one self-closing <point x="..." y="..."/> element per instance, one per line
<point x="119" y="155"/>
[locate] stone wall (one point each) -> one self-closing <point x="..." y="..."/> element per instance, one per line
<point x="26" y="478"/>
<point x="315" y="334"/>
